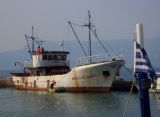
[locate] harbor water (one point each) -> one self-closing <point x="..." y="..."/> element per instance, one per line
<point x="18" y="103"/>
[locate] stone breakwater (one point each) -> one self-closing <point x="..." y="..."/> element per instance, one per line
<point x="6" y="83"/>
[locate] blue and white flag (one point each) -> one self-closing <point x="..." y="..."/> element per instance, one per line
<point x="142" y="62"/>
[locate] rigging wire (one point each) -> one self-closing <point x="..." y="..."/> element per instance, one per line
<point x="79" y="26"/>
<point x="95" y="34"/>
<point x="77" y="38"/>
<point x="84" y="21"/>
<point x="75" y="24"/>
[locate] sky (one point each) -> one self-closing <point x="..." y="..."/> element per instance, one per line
<point x="114" y="19"/>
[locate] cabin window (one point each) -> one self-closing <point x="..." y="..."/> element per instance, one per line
<point x="49" y="57"/>
<point x="64" y="57"/>
<point x="59" y="57"/>
<point x="54" y="57"/>
<point x="44" y="57"/>
<point x="40" y="57"/>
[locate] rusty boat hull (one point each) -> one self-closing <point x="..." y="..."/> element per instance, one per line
<point x="86" y="78"/>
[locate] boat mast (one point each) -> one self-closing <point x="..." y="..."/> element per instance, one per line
<point x="33" y="41"/>
<point x="31" y="49"/>
<point x="90" y="30"/>
<point x="89" y="25"/>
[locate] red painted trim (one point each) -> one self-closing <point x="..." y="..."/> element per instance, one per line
<point x="51" y="52"/>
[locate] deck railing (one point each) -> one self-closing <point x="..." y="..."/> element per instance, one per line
<point x="98" y="59"/>
<point x="28" y="64"/>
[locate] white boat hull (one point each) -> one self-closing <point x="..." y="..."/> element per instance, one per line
<point x="93" y="77"/>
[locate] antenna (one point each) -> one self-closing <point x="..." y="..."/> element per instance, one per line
<point x="61" y="44"/>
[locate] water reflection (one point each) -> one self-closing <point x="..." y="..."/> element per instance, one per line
<point x="44" y="104"/>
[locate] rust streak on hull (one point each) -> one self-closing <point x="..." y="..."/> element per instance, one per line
<point x="75" y="78"/>
<point x="32" y="88"/>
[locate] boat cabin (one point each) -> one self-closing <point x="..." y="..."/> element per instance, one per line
<point x="49" y="62"/>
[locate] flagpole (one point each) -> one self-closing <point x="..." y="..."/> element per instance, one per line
<point x="144" y="94"/>
<point x="143" y="81"/>
<point x="134" y="51"/>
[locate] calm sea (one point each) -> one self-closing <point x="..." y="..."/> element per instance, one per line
<point x="15" y="103"/>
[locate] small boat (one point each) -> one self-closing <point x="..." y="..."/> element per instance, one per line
<point x="50" y="70"/>
<point x="155" y="87"/>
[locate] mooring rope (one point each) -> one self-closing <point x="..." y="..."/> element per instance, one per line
<point x="128" y="99"/>
<point x="129" y="96"/>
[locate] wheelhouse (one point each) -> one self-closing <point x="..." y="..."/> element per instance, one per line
<point x="48" y="62"/>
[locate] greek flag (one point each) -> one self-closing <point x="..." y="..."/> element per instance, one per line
<point x="142" y="62"/>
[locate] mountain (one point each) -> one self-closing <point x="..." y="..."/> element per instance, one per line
<point x="7" y="59"/>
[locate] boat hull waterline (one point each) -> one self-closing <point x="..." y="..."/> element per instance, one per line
<point x="87" y="78"/>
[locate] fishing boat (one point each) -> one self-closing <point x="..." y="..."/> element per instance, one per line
<point x="50" y="70"/>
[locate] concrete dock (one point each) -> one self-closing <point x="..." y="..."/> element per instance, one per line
<point x="123" y="86"/>
<point x="6" y="83"/>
